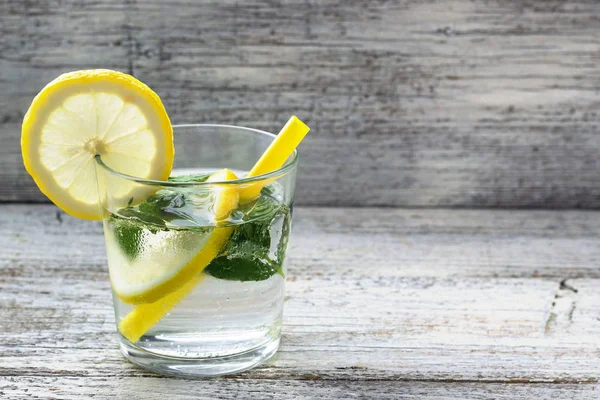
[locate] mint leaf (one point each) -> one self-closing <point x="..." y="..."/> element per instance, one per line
<point x="153" y="215"/>
<point x="254" y="232"/>
<point x="131" y="212"/>
<point x="262" y="208"/>
<point x="240" y="269"/>
<point x="128" y="235"/>
<point x="190" y="178"/>
<point x="255" y="250"/>
<point x="172" y="205"/>
<point x="247" y="255"/>
<point x="285" y="236"/>
<point x="165" y="205"/>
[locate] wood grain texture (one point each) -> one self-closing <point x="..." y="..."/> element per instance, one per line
<point x="439" y="103"/>
<point x="381" y="303"/>
<point x="244" y="389"/>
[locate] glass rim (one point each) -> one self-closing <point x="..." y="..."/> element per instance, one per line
<point x="286" y="167"/>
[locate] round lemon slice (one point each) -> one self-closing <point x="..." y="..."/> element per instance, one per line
<point x="84" y="113"/>
<point x="169" y="259"/>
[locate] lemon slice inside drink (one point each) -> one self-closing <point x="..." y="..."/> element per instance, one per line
<point x="84" y="113"/>
<point x="169" y="259"/>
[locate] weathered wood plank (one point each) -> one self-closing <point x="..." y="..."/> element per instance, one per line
<point x="457" y="103"/>
<point x="365" y="302"/>
<point x="26" y="387"/>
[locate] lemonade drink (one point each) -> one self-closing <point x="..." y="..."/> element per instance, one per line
<point x="196" y="260"/>
<point x="236" y="305"/>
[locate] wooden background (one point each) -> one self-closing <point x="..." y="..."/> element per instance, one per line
<point x="469" y="104"/>
<point x="411" y="103"/>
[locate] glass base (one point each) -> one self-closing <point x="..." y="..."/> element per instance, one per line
<point x="198" y="367"/>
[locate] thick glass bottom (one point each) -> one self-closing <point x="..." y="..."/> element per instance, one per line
<point x="199" y="367"/>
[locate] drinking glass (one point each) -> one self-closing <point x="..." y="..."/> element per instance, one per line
<point x="197" y="293"/>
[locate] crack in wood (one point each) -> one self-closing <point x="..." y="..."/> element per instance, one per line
<point x="59" y="217"/>
<point x="131" y="42"/>
<point x="549" y="322"/>
<point x="565" y="286"/>
<point x="310" y="376"/>
<point x="563" y="306"/>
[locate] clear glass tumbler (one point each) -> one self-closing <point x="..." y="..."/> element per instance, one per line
<point x="198" y="275"/>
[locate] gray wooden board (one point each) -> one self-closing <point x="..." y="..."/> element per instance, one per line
<point x="122" y="387"/>
<point x="411" y="103"/>
<point x="380" y="303"/>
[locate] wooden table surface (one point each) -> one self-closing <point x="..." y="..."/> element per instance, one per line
<point x="381" y="303"/>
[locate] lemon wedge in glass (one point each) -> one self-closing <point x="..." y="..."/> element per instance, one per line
<point x="134" y="282"/>
<point x="170" y="292"/>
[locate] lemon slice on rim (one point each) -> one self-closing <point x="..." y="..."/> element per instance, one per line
<point x="169" y="259"/>
<point x="84" y="113"/>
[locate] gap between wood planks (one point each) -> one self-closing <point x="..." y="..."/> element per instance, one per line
<point x="256" y="375"/>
